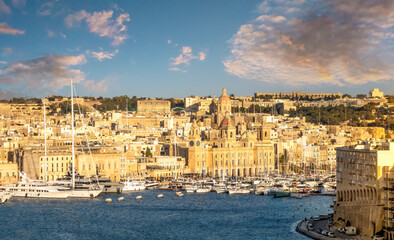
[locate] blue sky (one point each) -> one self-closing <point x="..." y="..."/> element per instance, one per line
<point x="179" y="48"/>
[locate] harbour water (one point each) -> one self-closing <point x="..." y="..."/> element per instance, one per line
<point x="194" y="216"/>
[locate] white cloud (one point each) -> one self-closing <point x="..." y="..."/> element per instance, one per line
<point x="19" y="3"/>
<point x="186" y="56"/>
<point x="48" y="73"/>
<point x="102" y="24"/>
<point x="345" y="45"/>
<point x="63" y="35"/>
<point x="103" y="55"/>
<point x="98" y="87"/>
<point x="51" y="34"/>
<point x="5" y="29"/>
<point x="169" y="41"/>
<point x="174" y="69"/>
<point x="3" y="62"/>
<point x="4" y="8"/>
<point x="275" y="19"/>
<point x="7" y="50"/>
<point x="203" y="55"/>
<point x="45" y="9"/>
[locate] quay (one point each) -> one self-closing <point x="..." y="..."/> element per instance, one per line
<point x="324" y="224"/>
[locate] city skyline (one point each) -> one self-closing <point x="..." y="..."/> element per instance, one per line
<point x="177" y="48"/>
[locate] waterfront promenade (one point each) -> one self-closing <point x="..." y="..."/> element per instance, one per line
<point x="325" y="225"/>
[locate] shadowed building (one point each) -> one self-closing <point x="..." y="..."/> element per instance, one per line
<point x="362" y="179"/>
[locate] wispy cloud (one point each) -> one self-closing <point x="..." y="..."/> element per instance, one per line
<point x="98" y="87"/>
<point x="186" y="56"/>
<point x="175" y="69"/>
<point x="169" y="41"/>
<point x="45" y="9"/>
<point x="102" y="55"/>
<point x="275" y="19"/>
<point x="3" y="62"/>
<point x="7" y="50"/>
<point x="51" y="34"/>
<point x="48" y="73"/>
<point x="4" y="8"/>
<point x="19" y="3"/>
<point x="5" y="29"/>
<point x="102" y="24"/>
<point x="334" y="42"/>
<point x="203" y="55"/>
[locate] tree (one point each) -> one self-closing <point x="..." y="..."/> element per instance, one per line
<point x="346" y="96"/>
<point x="148" y="153"/>
<point x="361" y="96"/>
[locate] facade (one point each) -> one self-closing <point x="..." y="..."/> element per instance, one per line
<point x="375" y="93"/>
<point x="361" y="186"/>
<point x="59" y="162"/>
<point x="226" y="151"/>
<point x="153" y="105"/>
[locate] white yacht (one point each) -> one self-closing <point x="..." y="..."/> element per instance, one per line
<point x="5" y="196"/>
<point x="131" y="186"/>
<point x="238" y="191"/>
<point x="203" y="190"/>
<point x="83" y="187"/>
<point x="36" y="189"/>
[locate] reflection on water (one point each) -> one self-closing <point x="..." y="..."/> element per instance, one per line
<point x="195" y="216"/>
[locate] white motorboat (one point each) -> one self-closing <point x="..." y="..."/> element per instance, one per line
<point x="191" y="189"/>
<point x="220" y="190"/>
<point x="238" y="191"/>
<point x="203" y="190"/>
<point x="131" y="186"/>
<point x="5" y="196"/>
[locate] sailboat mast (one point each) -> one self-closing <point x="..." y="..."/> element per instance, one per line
<point x="176" y="160"/>
<point x="72" y="134"/>
<point x="45" y="141"/>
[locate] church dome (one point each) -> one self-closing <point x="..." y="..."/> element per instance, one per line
<point x="224" y="96"/>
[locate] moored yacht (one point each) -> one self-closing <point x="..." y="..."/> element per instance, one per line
<point x="239" y="191"/>
<point x="36" y="189"/>
<point x="131" y="186"/>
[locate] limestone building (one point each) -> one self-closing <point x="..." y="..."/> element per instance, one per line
<point x="229" y="150"/>
<point x="153" y="105"/>
<point x="362" y="180"/>
<point x="375" y="93"/>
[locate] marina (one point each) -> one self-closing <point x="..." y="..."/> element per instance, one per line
<point x="194" y="216"/>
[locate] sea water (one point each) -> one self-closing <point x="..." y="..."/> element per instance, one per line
<point x="194" y="216"/>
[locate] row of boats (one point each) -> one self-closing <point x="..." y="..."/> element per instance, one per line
<point x="63" y="188"/>
<point x="270" y="185"/>
<point x="276" y="186"/>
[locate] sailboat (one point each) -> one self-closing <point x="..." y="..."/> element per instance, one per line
<point x="79" y="189"/>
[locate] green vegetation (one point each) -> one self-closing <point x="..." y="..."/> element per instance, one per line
<point x="299" y="98"/>
<point x="65" y="108"/>
<point x="339" y="114"/>
<point x="26" y="101"/>
<point x="148" y="152"/>
<point x="117" y="103"/>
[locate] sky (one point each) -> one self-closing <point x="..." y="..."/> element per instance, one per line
<point x="179" y="48"/>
